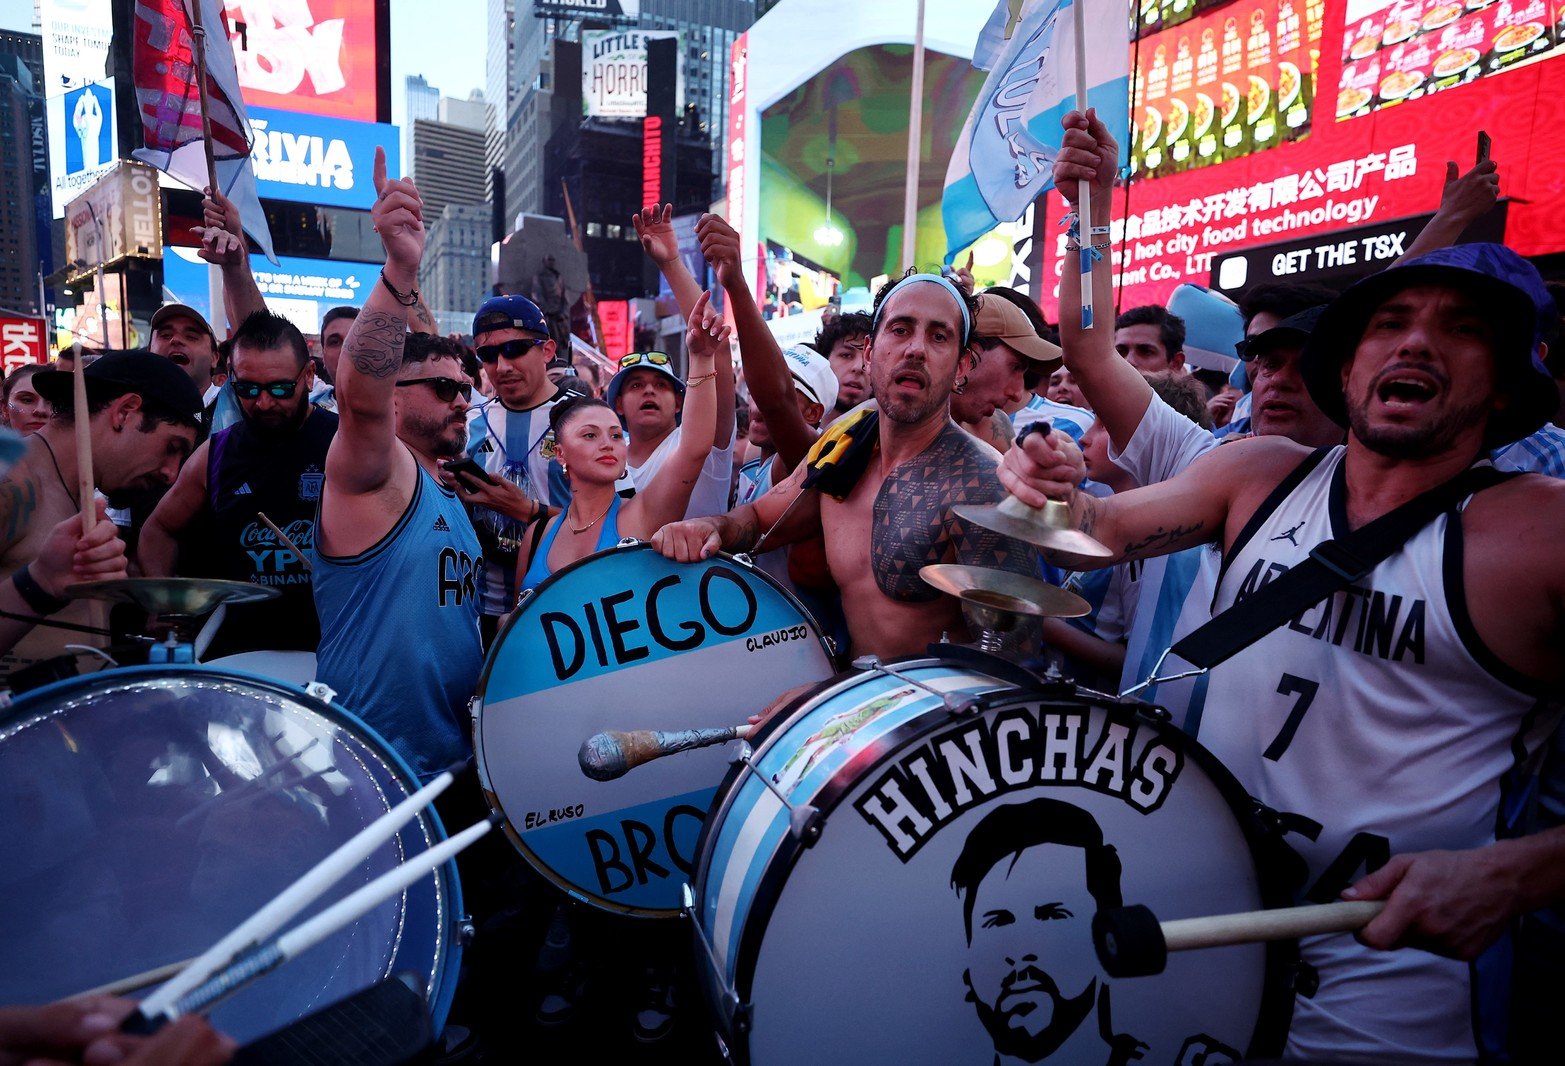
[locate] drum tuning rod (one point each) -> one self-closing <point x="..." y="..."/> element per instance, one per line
<point x="605" y="756"/>
<point x="1131" y="942"/>
<point x="291" y="900"/>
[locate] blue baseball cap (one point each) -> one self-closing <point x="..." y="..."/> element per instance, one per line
<point x="1523" y="311"/>
<point x="509" y="312"/>
<point x="657" y="362"/>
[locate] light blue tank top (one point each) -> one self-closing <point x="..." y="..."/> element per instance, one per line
<point x="608" y="535"/>
<point x="399" y="629"/>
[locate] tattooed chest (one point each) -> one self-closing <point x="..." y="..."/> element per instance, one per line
<point x="910" y="531"/>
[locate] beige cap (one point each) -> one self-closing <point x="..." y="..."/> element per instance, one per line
<point x="1001" y="319"/>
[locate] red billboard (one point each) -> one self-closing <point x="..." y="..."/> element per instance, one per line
<point x="1399" y="87"/>
<point x="22" y="341"/>
<point x="316" y="56"/>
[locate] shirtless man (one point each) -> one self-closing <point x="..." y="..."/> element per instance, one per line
<point x="896" y="478"/>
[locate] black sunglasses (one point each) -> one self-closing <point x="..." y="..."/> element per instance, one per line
<point x="491" y="353"/>
<point x="249" y="390"/>
<point x="446" y="389"/>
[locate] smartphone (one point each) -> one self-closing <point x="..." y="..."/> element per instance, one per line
<point x="468" y="467"/>
<point x="1483" y="147"/>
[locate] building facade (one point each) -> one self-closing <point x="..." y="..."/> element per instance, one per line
<point x="456" y="265"/>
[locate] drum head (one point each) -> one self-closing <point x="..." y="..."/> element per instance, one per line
<point x="146" y="812"/>
<point x="944" y="912"/>
<point x="628" y="640"/>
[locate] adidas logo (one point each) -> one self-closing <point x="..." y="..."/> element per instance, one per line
<point x="243" y="490"/>
<point x="440" y="524"/>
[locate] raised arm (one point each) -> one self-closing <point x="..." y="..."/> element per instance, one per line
<point x="655" y="227"/>
<point x="1463" y="200"/>
<point x="157" y="549"/>
<point x="363" y="454"/>
<point x="668" y="495"/>
<point x="1117" y="392"/>
<point x="765" y="370"/>
<point x="223" y="243"/>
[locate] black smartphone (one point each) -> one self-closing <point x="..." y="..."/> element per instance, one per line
<point x="469" y="468"/>
<point x="1483" y="147"/>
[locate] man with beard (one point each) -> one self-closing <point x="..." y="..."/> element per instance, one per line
<point x="1401" y="717"/>
<point x="271" y="462"/>
<point x="395" y="557"/>
<point x="884" y="483"/>
<point x="1005" y="348"/>
<point x="143" y="413"/>
<point x="1031" y="876"/>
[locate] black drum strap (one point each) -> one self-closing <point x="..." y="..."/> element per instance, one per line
<point x="1332" y="565"/>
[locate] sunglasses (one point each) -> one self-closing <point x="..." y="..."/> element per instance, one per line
<point x="249" y="390"/>
<point x="637" y="358"/>
<point x="491" y="353"/>
<point x="446" y="389"/>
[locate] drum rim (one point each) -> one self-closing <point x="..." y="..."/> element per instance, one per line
<point x="629" y="545"/>
<point x="1277" y="994"/>
<point x="449" y="950"/>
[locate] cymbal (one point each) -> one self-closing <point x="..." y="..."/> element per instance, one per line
<point x="1048" y="527"/>
<point x="999" y="590"/>
<point x="171" y="595"/>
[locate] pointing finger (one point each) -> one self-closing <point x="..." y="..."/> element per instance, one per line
<point x="380" y="169"/>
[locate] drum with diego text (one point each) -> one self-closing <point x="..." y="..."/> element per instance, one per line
<point x="145" y="812"/>
<point x="628" y="640"/>
<point x="905" y="865"/>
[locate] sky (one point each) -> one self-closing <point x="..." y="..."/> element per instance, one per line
<point x="447" y="50"/>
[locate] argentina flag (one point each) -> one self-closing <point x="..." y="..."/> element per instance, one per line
<point x="1004" y="158"/>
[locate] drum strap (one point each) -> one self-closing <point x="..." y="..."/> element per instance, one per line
<point x="1332" y="565"/>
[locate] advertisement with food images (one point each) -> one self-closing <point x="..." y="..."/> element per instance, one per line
<point x="1415" y="81"/>
<point x="1224" y="84"/>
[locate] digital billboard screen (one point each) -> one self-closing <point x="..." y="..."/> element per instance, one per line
<point x="316" y="160"/>
<point x="79" y="96"/>
<point x="317" y="56"/>
<point x="301" y="290"/>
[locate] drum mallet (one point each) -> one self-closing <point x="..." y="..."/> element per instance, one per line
<point x="1131" y="942"/>
<point x="605" y="756"/>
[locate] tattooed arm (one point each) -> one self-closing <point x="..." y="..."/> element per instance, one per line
<point x="787" y="514"/>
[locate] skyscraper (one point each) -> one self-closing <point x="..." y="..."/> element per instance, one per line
<point x="23" y="169"/>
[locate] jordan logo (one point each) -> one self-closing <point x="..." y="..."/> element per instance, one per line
<point x="440" y="524"/>
<point x="243" y="490"/>
<point x="1290" y="535"/>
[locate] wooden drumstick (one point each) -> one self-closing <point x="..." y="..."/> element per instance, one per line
<point x="605" y="756"/>
<point x="289" y="544"/>
<point x="1131" y="942"/>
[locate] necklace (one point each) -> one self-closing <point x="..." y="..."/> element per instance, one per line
<point x="589" y="525"/>
<point x="58" y="472"/>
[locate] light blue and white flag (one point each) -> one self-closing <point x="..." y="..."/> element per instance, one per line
<point x="997" y="32"/>
<point x="1004" y="159"/>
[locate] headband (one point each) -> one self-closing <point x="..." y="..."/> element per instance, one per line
<point x="943" y="282"/>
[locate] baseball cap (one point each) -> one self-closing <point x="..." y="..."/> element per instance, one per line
<point x="1515" y="301"/>
<point x="813" y="375"/>
<point x="162" y="386"/>
<point x="509" y="312"/>
<point x="1003" y="320"/>
<point x="658" y="362"/>
<point x="1294" y="330"/>
<point x="168" y="311"/>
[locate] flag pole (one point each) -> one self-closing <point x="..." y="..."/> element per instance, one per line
<point x="915" y="142"/>
<point x="1083" y="188"/>
<point x="217" y="310"/>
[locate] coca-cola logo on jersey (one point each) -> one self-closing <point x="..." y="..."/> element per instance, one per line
<point x="257" y="535"/>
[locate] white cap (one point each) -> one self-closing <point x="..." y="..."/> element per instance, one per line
<point x="812" y="374"/>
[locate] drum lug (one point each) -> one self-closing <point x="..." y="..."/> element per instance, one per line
<point x="463" y="930"/>
<point x="958" y="706"/>
<point x="321" y="691"/>
<point x="738" y="1012"/>
<point x="804" y="822"/>
<point x="744" y="560"/>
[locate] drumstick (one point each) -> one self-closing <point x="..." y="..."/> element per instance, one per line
<point x="1131" y="942"/>
<point x="84" y="479"/>
<point x="605" y="756"/>
<point x="291" y="900"/>
<point x="284" y="538"/>
<point x="136" y="982"/>
<point x="265" y="958"/>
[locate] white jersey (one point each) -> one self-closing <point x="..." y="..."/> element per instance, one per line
<point x="1379" y="715"/>
<point x="713" y="487"/>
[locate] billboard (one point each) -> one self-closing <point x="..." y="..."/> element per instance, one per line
<point x="301" y="290"/>
<point x="614" y="71"/>
<point x="318" y="160"/>
<point x="78" y="95"/>
<point x="22" y="341"/>
<point x="1398" y="97"/>
<point x="317" y="56"/>
<point x="587" y="8"/>
<point x="120" y="216"/>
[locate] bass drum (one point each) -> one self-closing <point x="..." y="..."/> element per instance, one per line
<point x="146" y="812"/>
<point x="906" y="866"/>
<point x="627" y="640"/>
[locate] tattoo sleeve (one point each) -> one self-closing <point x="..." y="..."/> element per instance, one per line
<point x="739" y="529"/>
<point x="374" y="345"/>
<point x="1163" y="541"/>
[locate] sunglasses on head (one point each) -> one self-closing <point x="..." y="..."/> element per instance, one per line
<point x="446" y="389"/>
<point x="637" y="358"/>
<point x="249" y="390"/>
<point x="491" y="353"/>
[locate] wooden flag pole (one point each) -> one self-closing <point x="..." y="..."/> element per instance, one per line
<point x="198" y="35"/>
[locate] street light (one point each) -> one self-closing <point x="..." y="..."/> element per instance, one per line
<point x="828" y="235"/>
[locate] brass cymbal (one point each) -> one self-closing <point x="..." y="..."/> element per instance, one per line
<point x="999" y="590"/>
<point x="171" y="595"/>
<point x="1048" y="527"/>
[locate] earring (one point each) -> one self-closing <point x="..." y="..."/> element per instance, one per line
<point x="961" y="383"/>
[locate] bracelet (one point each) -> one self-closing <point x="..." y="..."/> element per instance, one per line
<point x="1076" y="246"/>
<point x="406" y="301"/>
<point x="35" y="596"/>
<point x="700" y="379"/>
